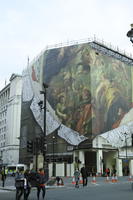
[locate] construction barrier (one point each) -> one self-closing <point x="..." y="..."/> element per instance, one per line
<point x="116" y="179"/>
<point x="113" y="179"/>
<point x="80" y="180"/>
<point x="93" y="179"/>
<point x="130" y="178"/>
<point x="73" y="180"/>
<point x="107" y="179"/>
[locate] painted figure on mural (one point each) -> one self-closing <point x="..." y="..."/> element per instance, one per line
<point x="61" y="109"/>
<point x="110" y="100"/>
<point x="86" y="114"/>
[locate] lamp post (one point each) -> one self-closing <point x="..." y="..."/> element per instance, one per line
<point x="125" y="134"/>
<point x="53" y="171"/>
<point x="44" y="125"/>
<point x="130" y="33"/>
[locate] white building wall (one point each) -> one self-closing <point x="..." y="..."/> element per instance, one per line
<point x="59" y="169"/>
<point x="131" y="167"/>
<point x="119" y="167"/>
<point x="70" y="169"/>
<point x="100" y="162"/>
<point x="11" y="153"/>
<point x="50" y="169"/>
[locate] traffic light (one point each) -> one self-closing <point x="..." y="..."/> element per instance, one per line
<point x="43" y="145"/>
<point x="30" y="146"/>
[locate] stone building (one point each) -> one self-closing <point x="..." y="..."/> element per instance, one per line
<point x="10" y="119"/>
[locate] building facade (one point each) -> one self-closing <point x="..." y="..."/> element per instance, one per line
<point x="88" y="110"/>
<point x="10" y="113"/>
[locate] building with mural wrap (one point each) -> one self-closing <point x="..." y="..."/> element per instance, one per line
<point x="88" y="109"/>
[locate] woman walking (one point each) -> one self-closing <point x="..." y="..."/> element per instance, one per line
<point x="41" y="180"/>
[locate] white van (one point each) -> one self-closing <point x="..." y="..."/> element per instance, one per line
<point x="12" y="169"/>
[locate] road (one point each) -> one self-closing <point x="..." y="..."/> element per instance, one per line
<point x="99" y="191"/>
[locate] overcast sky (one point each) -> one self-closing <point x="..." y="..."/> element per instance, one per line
<point x="27" y="26"/>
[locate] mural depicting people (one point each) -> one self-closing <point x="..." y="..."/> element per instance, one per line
<point x="110" y="99"/>
<point x="86" y="113"/>
<point x="94" y="99"/>
<point x="61" y="109"/>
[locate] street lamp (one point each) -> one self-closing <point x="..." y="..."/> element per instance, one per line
<point x="130" y="33"/>
<point x="53" y="172"/>
<point x="125" y="134"/>
<point x="44" y="124"/>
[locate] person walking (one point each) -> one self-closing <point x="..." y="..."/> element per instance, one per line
<point x="84" y="175"/>
<point x="114" y="171"/>
<point x="76" y="175"/>
<point x="3" y="177"/>
<point x="19" y="183"/>
<point x="41" y="180"/>
<point x="108" y="172"/>
<point x="27" y="187"/>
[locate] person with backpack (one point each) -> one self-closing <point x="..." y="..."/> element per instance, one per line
<point x="41" y="180"/>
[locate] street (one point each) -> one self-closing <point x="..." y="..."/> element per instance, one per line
<point x="99" y="191"/>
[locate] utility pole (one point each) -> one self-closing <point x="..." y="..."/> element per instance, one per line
<point x="53" y="172"/>
<point x="125" y="134"/>
<point x="44" y="149"/>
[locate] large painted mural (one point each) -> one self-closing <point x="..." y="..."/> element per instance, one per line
<point x="89" y="92"/>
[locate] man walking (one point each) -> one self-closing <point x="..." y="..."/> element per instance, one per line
<point x="41" y="180"/>
<point x="27" y="187"/>
<point x="19" y="183"/>
<point x="84" y="175"/>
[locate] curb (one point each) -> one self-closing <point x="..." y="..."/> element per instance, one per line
<point x="34" y="188"/>
<point x="7" y="188"/>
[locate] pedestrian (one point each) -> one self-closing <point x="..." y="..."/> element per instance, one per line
<point x="76" y="175"/>
<point x="41" y="180"/>
<point x="93" y="170"/>
<point x="33" y="174"/>
<point x="3" y="177"/>
<point x="84" y="175"/>
<point x="6" y="173"/>
<point x="107" y="172"/>
<point x="114" y="171"/>
<point x="58" y="180"/>
<point x="27" y="187"/>
<point x="19" y="183"/>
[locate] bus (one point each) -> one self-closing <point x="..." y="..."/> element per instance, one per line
<point x="12" y="169"/>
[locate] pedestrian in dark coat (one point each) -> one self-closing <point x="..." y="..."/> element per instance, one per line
<point x="84" y="175"/>
<point x="41" y="180"/>
<point x="19" y="183"/>
<point x="27" y="188"/>
<point x="3" y="177"/>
